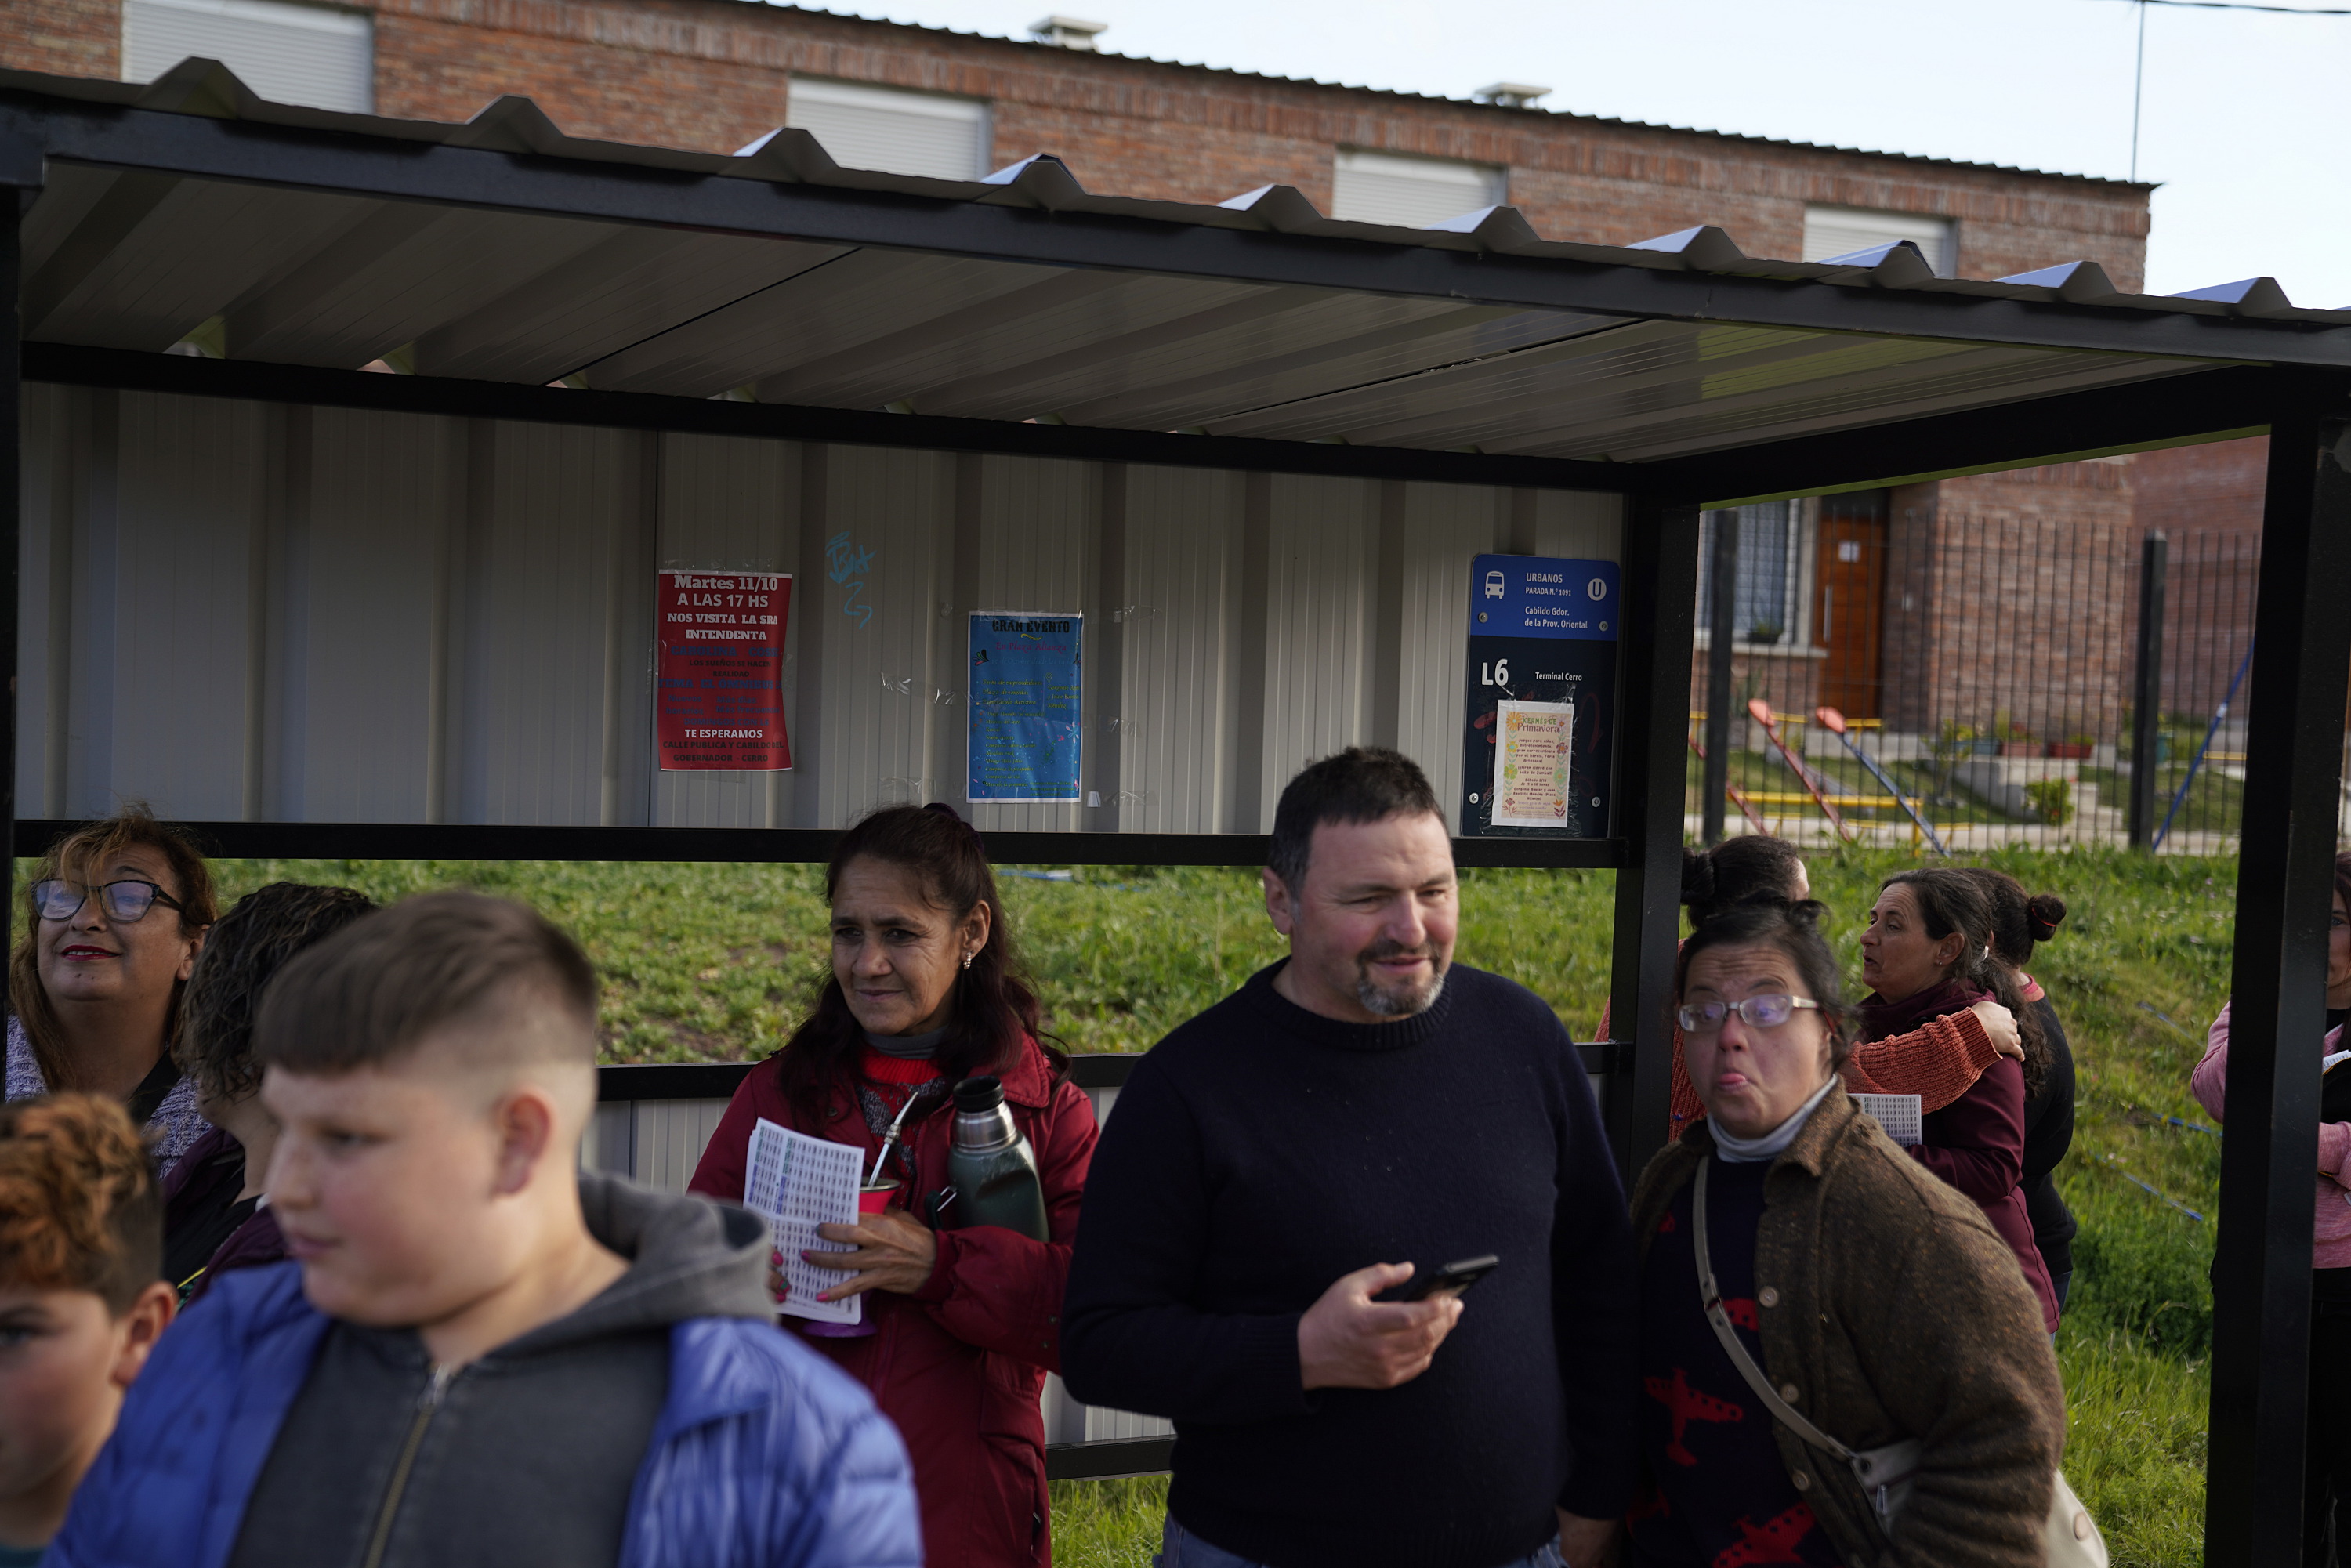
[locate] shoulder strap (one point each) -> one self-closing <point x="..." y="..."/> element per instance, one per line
<point x="1710" y="1300"/>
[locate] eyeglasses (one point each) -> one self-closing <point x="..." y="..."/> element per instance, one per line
<point x="1760" y="1012"/>
<point x="126" y="902"/>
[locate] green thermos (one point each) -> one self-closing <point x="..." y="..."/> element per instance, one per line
<point x="991" y="1165"/>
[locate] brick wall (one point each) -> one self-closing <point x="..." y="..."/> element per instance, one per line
<point x="69" y="37"/>
<point x="2027" y="616"/>
<point x="2217" y="486"/>
<point x="2104" y="490"/>
<point x="712" y="75"/>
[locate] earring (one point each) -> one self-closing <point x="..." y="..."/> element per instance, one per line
<point x="967" y="960"/>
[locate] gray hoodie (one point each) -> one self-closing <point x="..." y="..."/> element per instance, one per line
<point x="526" y="1456"/>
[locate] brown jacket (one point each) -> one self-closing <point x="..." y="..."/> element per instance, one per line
<point x="1892" y="1310"/>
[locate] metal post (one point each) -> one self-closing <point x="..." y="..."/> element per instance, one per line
<point x="1652" y="707"/>
<point x="1722" y="604"/>
<point x="2294" y="762"/>
<point x="2146" y="688"/>
<point x="21" y="172"/>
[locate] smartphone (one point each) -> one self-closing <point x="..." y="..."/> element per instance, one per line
<point x="1450" y="1280"/>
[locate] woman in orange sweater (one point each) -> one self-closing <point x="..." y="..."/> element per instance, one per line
<point x="1940" y="1061"/>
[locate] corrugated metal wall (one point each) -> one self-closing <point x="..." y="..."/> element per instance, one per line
<point x="237" y="610"/>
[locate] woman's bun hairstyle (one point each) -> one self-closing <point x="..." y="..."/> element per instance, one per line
<point x="2043" y="912"/>
<point x="1988" y="908"/>
<point x="1744" y="870"/>
<point x="1698" y="877"/>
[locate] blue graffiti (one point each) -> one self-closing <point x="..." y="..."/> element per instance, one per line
<point x="844" y="562"/>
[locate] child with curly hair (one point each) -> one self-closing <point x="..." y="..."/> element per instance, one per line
<point x="82" y="1300"/>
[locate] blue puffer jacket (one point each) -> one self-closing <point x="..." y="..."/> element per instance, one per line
<point x="763" y="1455"/>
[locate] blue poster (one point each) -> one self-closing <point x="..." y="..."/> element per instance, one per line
<point x="1026" y="735"/>
<point x="1538" y="756"/>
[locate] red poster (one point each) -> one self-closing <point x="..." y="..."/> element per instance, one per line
<point x="718" y="702"/>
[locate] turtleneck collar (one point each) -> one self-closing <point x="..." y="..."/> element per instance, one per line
<point x="1770" y="1146"/>
<point x="1338" y="1034"/>
<point x="908" y="1047"/>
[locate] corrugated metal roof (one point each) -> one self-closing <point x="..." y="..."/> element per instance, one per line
<point x="133" y="259"/>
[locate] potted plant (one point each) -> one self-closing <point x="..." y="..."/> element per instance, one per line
<point x="1765" y="633"/>
<point x="2074" y="749"/>
<point x="1953" y="742"/>
<point x="2052" y="800"/>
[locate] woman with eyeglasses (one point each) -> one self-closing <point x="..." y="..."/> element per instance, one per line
<point x="1938" y="1061"/>
<point x="1927" y="954"/>
<point x="114" y="918"/>
<point x="1810" y="1296"/>
<point x="961" y="1320"/>
<point x="2326" y="1481"/>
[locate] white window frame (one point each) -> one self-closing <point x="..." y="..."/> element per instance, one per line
<point x="865" y="98"/>
<point x="142" y="60"/>
<point x="1794" y="614"/>
<point x="1479" y="185"/>
<point x="1831" y="232"/>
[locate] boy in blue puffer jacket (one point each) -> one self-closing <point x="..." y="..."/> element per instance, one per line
<point x="478" y="1356"/>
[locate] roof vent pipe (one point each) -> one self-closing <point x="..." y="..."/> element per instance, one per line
<point x="1510" y="94"/>
<point x="1067" y="32"/>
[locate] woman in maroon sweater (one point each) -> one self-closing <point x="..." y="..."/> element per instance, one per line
<point x="1927" y="955"/>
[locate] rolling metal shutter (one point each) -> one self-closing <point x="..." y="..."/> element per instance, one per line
<point x="289" y="54"/>
<point x="1411" y="193"/>
<point x="1832" y="232"/>
<point x="903" y="133"/>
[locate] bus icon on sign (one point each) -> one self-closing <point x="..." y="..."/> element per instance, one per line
<point x="1597" y="588"/>
<point x="1493" y="585"/>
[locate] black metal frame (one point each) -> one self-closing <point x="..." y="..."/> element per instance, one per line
<point x="1721" y="628"/>
<point x="2209" y="405"/>
<point x="2146" y="688"/>
<point x="2286" y="375"/>
<point x="1660" y="579"/>
<point x="779" y="846"/>
<point x="198" y="146"/>
<point x="128" y="369"/>
<point x="2293" y="763"/>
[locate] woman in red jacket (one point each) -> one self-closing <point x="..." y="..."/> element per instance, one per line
<point x="965" y="1321"/>
<point x="1927" y="955"/>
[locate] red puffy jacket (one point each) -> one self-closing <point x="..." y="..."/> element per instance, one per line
<point x="959" y="1365"/>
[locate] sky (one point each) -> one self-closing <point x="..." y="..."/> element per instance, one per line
<point x="2241" y="120"/>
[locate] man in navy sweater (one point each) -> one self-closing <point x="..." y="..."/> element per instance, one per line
<point x="1363" y="1112"/>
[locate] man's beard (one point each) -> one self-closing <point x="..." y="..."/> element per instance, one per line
<point x="1403" y="1003"/>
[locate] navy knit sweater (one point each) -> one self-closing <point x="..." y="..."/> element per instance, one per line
<point x="1260" y="1152"/>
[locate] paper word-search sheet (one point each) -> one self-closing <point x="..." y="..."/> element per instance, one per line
<point x="798" y="1183"/>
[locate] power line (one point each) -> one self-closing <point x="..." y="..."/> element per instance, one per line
<point x="2139" y="74"/>
<point x="2139" y="88"/>
<point x="2243" y="6"/>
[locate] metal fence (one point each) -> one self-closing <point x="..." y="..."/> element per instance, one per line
<point x="1987" y="665"/>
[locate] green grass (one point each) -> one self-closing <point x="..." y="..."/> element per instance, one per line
<point x="719" y="961"/>
<point x="1108" y="1524"/>
<point x="2215" y="803"/>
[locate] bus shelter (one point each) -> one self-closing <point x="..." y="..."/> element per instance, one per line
<point x="354" y="467"/>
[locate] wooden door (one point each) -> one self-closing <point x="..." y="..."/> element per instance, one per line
<point x="1849" y="599"/>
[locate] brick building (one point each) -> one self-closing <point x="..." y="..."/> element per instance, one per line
<point x="1821" y="594"/>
